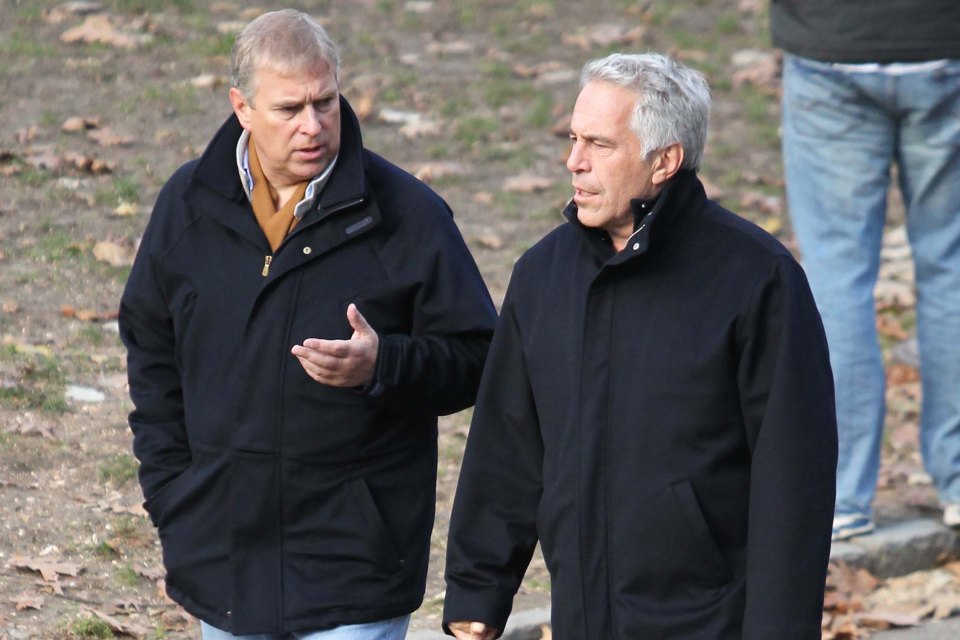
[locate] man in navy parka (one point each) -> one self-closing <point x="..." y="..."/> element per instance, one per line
<point x="657" y="406"/>
<point x="299" y="313"/>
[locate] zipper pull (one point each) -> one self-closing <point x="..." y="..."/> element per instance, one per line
<point x="266" y="265"/>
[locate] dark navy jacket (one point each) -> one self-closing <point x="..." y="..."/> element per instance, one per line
<point x="662" y="421"/>
<point x="283" y="504"/>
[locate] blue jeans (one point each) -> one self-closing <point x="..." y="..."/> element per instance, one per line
<point x="393" y="629"/>
<point x="842" y="131"/>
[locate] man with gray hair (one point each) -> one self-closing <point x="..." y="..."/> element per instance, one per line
<point x="299" y="313"/>
<point x="657" y="406"/>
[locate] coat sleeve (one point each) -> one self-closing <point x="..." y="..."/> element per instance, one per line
<point x="493" y="524"/>
<point x="787" y="398"/>
<point x="437" y="367"/>
<point x="146" y="329"/>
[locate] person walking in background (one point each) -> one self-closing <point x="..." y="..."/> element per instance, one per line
<point x="657" y="407"/>
<point x="868" y="85"/>
<point x="299" y="313"/>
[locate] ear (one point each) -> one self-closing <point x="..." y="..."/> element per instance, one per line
<point x="240" y="107"/>
<point x="667" y="163"/>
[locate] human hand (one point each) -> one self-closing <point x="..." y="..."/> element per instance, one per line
<point x="472" y="631"/>
<point x="342" y="363"/>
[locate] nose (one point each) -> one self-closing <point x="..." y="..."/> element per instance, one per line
<point x="577" y="160"/>
<point x="310" y="121"/>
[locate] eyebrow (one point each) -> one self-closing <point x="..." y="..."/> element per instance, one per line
<point x="284" y="103"/>
<point x="593" y="138"/>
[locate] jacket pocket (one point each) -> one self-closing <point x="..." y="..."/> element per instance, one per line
<point x="665" y="551"/>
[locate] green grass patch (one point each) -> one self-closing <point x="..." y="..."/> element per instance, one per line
<point x="118" y="469"/>
<point x="91" y="628"/>
<point x="104" y="550"/>
<point x="473" y="130"/>
<point x="126" y="576"/>
<point x="24" y="44"/>
<point x="41" y="385"/>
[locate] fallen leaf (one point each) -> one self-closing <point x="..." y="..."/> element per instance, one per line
<point x="66" y="11"/>
<point x="419" y="129"/>
<point x="605" y="35"/>
<point x="489" y="239"/>
<point x="113" y="253"/>
<point x="129" y="629"/>
<point x="527" y="183"/>
<point x="77" y="123"/>
<point x="898" y="374"/>
<point x="28" y="601"/>
<point x="890" y="326"/>
<point x="42" y="158"/>
<point x="156" y="572"/>
<point x="438" y="170"/>
<point x="365" y="105"/>
<point x="29" y="426"/>
<point x="48" y="569"/>
<point x="27" y="349"/>
<point x="126" y="209"/>
<point x="25" y="136"/>
<point x="456" y="47"/>
<point x="206" y="81"/>
<point x="886" y="619"/>
<point x="98" y="28"/>
<point x="87" y="164"/>
<point x="106" y="137"/>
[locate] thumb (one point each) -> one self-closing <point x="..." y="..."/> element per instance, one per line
<point x="358" y="322"/>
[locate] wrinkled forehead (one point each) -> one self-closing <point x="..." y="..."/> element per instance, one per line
<point x="314" y="72"/>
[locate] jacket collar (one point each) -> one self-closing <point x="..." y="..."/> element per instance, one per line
<point x="680" y="200"/>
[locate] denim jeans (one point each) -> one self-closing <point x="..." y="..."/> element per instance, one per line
<point x="393" y="629"/>
<point x="842" y="132"/>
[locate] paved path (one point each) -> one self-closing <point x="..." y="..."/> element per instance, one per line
<point x="942" y="630"/>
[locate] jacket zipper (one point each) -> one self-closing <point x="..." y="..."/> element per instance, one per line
<point x="267" y="260"/>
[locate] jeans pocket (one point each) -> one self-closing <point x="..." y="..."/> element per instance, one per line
<point x="821" y="102"/>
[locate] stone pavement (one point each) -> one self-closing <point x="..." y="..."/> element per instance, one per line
<point x="891" y="550"/>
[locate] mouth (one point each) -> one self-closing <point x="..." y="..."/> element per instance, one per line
<point x="310" y="153"/>
<point x="582" y="194"/>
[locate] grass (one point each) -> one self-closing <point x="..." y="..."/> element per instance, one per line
<point x="104" y="550"/>
<point x="475" y="129"/>
<point x="126" y="576"/>
<point x="91" y="628"/>
<point x="24" y="44"/>
<point x="117" y="470"/>
<point x="41" y="384"/>
<point x="54" y="244"/>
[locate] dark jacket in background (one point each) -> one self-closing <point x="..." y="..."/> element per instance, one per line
<point x="283" y="504"/>
<point x="867" y="30"/>
<point x="662" y="421"/>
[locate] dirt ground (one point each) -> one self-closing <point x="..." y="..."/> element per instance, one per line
<point x="101" y="101"/>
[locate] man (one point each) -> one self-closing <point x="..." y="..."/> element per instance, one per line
<point x="657" y="407"/>
<point x="867" y="85"/>
<point x="299" y="314"/>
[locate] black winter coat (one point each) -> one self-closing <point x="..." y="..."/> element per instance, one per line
<point x="283" y="504"/>
<point x="662" y="421"/>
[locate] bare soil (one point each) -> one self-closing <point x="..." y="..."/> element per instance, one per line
<point x="100" y="102"/>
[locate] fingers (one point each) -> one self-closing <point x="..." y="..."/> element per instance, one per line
<point x="358" y="322"/>
<point x="465" y="630"/>
<point x="342" y="363"/>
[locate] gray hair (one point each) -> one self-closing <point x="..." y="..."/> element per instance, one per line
<point x="287" y="40"/>
<point x="673" y="101"/>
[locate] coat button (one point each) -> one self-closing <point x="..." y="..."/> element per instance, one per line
<point x="636" y="246"/>
<point x="307" y="251"/>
